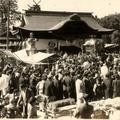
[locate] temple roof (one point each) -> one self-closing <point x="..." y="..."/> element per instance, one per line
<point x="47" y="20"/>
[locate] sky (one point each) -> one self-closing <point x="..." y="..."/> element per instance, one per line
<point x="100" y="8"/>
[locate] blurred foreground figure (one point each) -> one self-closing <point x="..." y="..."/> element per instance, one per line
<point x="80" y="89"/>
<point x="83" y="109"/>
<point x="27" y="97"/>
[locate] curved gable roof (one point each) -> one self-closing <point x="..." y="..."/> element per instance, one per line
<point x="45" y="21"/>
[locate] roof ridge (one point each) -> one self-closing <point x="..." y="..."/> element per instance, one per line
<point x="57" y="13"/>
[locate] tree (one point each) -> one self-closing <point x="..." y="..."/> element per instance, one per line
<point x="115" y="37"/>
<point x="6" y="6"/>
<point x="111" y="21"/>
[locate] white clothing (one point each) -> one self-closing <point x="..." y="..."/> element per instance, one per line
<point x="86" y="65"/>
<point x="31" y="111"/>
<point x="23" y="94"/>
<point x="60" y="76"/>
<point x="115" y="60"/>
<point x="65" y="56"/>
<point x="104" y="70"/>
<point x="40" y="86"/>
<point x="10" y="97"/>
<point x="4" y="83"/>
<point x="30" y="46"/>
<point x="115" y="115"/>
<point x="80" y="90"/>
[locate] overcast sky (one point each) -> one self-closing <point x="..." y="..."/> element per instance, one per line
<point x="98" y="7"/>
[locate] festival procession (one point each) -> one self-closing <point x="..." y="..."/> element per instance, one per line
<point x="57" y="64"/>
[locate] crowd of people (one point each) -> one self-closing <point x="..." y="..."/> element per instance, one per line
<point x="87" y="76"/>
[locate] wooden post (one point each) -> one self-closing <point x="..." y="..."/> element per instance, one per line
<point x="8" y="22"/>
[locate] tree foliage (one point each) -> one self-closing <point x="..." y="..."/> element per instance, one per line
<point x="5" y="6"/>
<point x="115" y="37"/>
<point x="112" y="22"/>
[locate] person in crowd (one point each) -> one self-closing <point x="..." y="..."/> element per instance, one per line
<point x="30" y="45"/>
<point x="26" y="96"/>
<point x="24" y="77"/>
<point x="40" y="88"/>
<point x="107" y="86"/>
<point x="32" y="109"/>
<point x="80" y="88"/>
<point x="4" y="82"/>
<point x="49" y="89"/>
<point x="2" y="63"/>
<point x="83" y="110"/>
<point x="104" y="70"/>
<point x="88" y="86"/>
<point x="33" y="83"/>
<point x="16" y="80"/>
<point x="116" y="86"/>
<point x="60" y="87"/>
<point x="98" y="89"/>
<point x="67" y="85"/>
<point x="73" y="80"/>
<point x="56" y="85"/>
<point x="10" y="98"/>
<point x="40" y="84"/>
<point x="70" y="76"/>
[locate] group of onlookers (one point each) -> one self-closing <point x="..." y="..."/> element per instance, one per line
<point x="87" y="76"/>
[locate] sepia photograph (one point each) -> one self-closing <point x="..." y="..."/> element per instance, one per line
<point x="60" y="59"/>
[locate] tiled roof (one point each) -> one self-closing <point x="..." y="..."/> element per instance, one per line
<point x="46" y="20"/>
<point x="94" y="24"/>
<point x="42" y="22"/>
